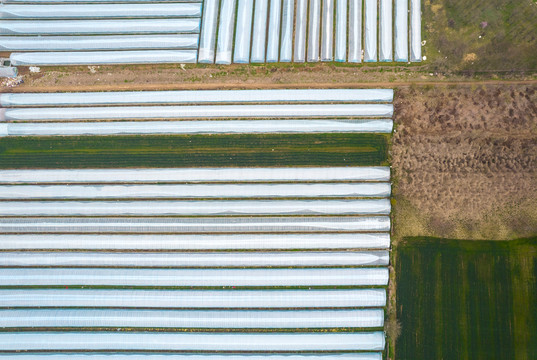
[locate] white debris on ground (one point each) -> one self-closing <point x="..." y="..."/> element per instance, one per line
<point x="35" y="69"/>
<point x="12" y="82"/>
<point x="93" y="69"/>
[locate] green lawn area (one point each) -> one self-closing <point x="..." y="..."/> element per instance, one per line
<point x="467" y="299"/>
<point x="481" y="34"/>
<point x="194" y="151"/>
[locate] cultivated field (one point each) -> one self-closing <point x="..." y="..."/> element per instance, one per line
<point x="465" y="163"/>
<point x="467" y="299"/>
<point x="194" y="151"/>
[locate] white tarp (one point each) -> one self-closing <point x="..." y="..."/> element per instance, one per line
<point x="386" y="31"/>
<point x="172" y="356"/>
<point x="314" y="30"/>
<point x="191" y="299"/>
<point x="70" y="11"/>
<point x="415" y="30"/>
<point x="327" y="33"/>
<point x="370" y="31"/>
<point x="259" y="31"/>
<point x="191" y="97"/>
<point x="401" y="30"/>
<point x="300" y="29"/>
<point x="107" y="42"/>
<point x="194" y="277"/>
<point x="274" y="23"/>
<point x="166" y="191"/>
<point x="201" y="208"/>
<point x="197" y="112"/>
<point x="191" y="341"/>
<point x="286" y="45"/>
<point x="124" y="26"/>
<point x="196" y="241"/>
<point x="104" y="57"/>
<point x="199" y="127"/>
<point x="243" y="31"/>
<point x="350" y="173"/>
<point x="195" y="260"/>
<point x="197" y="319"/>
<point x="341" y="31"/>
<point x="355" y="31"/>
<point x="195" y="225"/>
<point x="226" y="26"/>
<point x="208" y="32"/>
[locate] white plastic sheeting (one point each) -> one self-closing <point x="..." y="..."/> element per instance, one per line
<point x="7" y="71"/>
<point x="99" y="11"/>
<point x="14" y="341"/>
<point x="194" y="225"/>
<point x="191" y="97"/>
<point x="226" y="26"/>
<point x="327" y="34"/>
<point x="187" y="208"/>
<point x="108" y="42"/>
<point x="274" y="23"/>
<point x="172" y="356"/>
<point x="259" y="31"/>
<point x="208" y="299"/>
<point x="193" y="191"/>
<point x="196" y="242"/>
<point x="194" y="277"/>
<point x="373" y="173"/>
<point x="197" y="319"/>
<point x="314" y="30"/>
<point x="355" y="31"/>
<point x="201" y="208"/>
<point x="87" y="1"/>
<point x="370" y="31"/>
<point x="208" y="32"/>
<point x="198" y="260"/>
<point x="107" y="57"/>
<point x="386" y="30"/>
<point x="415" y="30"/>
<point x="197" y="112"/>
<point x="71" y="27"/>
<point x="341" y="31"/>
<point x="401" y="30"/>
<point x="286" y="45"/>
<point x="243" y="32"/>
<point x="199" y="127"/>
<point x="300" y="29"/>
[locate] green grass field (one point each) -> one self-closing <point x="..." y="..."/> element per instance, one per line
<point x="481" y="35"/>
<point x="467" y="299"/>
<point x="197" y="151"/>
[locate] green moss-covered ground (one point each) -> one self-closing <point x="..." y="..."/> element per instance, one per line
<point x="467" y="299"/>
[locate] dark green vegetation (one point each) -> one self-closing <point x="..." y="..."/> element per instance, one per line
<point x="197" y="151"/>
<point x="467" y="299"/>
<point x="481" y="35"/>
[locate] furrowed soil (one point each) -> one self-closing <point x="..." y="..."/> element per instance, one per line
<point x="465" y="162"/>
<point x="459" y="299"/>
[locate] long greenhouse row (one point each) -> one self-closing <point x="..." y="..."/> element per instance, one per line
<point x="211" y="31"/>
<point x="163" y="263"/>
<point x="192" y="112"/>
<point x="56" y="33"/>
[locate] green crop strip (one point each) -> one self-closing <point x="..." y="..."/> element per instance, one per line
<point x="194" y="151"/>
<point x="467" y="299"/>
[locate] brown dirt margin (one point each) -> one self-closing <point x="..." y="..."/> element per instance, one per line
<point x="224" y="86"/>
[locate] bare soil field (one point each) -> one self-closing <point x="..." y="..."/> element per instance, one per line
<point x="465" y="162"/>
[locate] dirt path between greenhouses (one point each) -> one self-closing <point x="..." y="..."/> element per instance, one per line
<point x="216" y="86"/>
